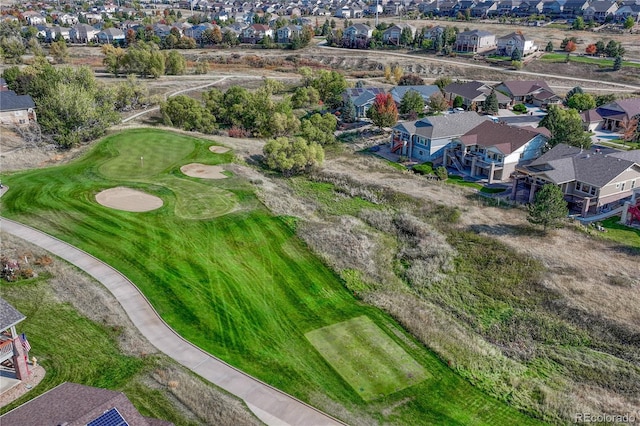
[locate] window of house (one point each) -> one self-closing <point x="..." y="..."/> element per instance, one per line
<point x="622" y="186"/>
<point x="633" y="184"/>
<point x="420" y="153"/>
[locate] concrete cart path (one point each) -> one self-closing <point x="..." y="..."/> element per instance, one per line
<point x="268" y="403"/>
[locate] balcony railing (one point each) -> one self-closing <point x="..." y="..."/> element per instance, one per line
<point x="6" y="350"/>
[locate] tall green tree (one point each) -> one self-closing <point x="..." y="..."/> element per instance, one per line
<point x="348" y="111"/>
<point x="549" y="208"/>
<point x="330" y="85"/>
<point x="175" y="64"/>
<point x="292" y="156"/>
<point x="617" y="63"/>
<point x="572" y="92"/>
<point x="516" y="55"/>
<point x="442" y="82"/>
<point x="114" y="58"/>
<point x="319" y="128"/>
<point x="383" y="112"/>
<point x="581" y="102"/>
<point x="491" y="103"/>
<point x="566" y="127"/>
<point x="549" y="47"/>
<point x="187" y="113"/>
<point x="411" y="102"/>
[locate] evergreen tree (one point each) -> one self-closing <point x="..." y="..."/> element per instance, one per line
<point x="572" y="92"/>
<point x="348" y="111"/>
<point x="491" y="103"/>
<point x="549" y="47"/>
<point x="549" y="207"/>
<point x="617" y="63"/>
<point x="516" y="55"/>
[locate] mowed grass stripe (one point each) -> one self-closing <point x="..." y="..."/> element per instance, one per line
<point x="367" y="358"/>
<point x="241" y="286"/>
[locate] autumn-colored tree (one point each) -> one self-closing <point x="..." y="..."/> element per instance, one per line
<point x="591" y="49"/>
<point x="131" y="36"/>
<point x="570" y="46"/>
<point x="383" y="112"/>
<point x="397" y="73"/>
<point x="629" y="129"/>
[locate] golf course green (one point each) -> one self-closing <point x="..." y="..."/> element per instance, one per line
<point x="236" y="281"/>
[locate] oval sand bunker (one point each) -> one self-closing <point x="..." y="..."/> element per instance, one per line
<point x="218" y="149"/>
<point x="203" y="171"/>
<point x="129" y="200"/>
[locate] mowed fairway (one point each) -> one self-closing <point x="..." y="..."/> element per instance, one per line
<point x="240" y="285"/>
<point x="369" y="360"/>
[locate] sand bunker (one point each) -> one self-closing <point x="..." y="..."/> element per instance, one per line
<point x="218" y="149"/>
<point x="129" y="200"/>
<point x="203" y="171"/>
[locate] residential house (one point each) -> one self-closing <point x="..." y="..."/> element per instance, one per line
<point x="600" y="10"/>
<point x="344" y="12"/>
<point x="615" y="113"/>
<point x="506" y="7"/>
<point x="574" y="8"/>
<point x="473" y="94"/>
<point x="74" y="404"/>
<point x="425" y="91"/>
<point x="506" y="45"/>
<point x="536" y="92"/>
<point x="447" y="8"/>
<point x="66" y="19"/>
<point x="475" y="41"/>
<point x="12" y="352"/>
<point x="591" y="120"/>
<point x="357" y="35"/>
<point x="552" y="8"/>
<point x="591" y="180"/>
<point x="34" y="18"/>
<point x="83" y="33"/>
<point x="485" y="9"/>
<point x="426" y="139"/>
<point x="393" y="8"/>
<point x="57" y="32"/>
<point x="527" y="8"/>
<point x="93" y="18"/>
<point x="111" y="35"/>
<point x="492" y="150"/>
<point x="284" y="34"/>
<point x="433" y="33"/>
<point x="627" y="10"/>
<point x="255" y="33"/>
<point x="362" y="98"/>
<point x="393" y="34"/>
<point x="196" y="31"/>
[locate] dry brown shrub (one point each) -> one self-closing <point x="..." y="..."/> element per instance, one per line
<point x="213" y="406"/>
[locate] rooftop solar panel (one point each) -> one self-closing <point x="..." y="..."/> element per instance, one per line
<point x="109" y="418"/>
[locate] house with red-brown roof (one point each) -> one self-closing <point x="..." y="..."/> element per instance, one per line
<point x="493" y="150"/>
<point x="72" y="404"/>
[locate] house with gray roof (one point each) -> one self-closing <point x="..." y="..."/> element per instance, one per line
<point x="426" y="91"/>
<point x="73" y="404"/>
<point x="362" y="98"/>
<point x="425" y="139"/>
<point x="492" y="150"/>
<point x="591" y="180"/>
<point x="475" y="41"/>
<point x="615" y="113"/>
<point x="16" y="110"/>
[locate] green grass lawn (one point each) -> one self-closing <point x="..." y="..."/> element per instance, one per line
<point x="602" y="62"/>
<point x="459" y="180"/>
<point x="72" y="348"/>
<point x="621" y="233"/>
<point x="369" y="360"/>
<point x="240" y="285"/>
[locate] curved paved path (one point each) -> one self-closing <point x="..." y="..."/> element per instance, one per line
<point x="268" y="403"/>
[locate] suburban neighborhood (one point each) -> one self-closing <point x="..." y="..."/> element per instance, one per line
<point x="319" y="212"/>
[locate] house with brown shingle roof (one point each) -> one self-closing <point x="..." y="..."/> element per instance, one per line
<point x="616" y="112"/>
<point x="11" y="349"/>
<point x="536" y="92"/>
<point x="473" y="93"/>
<point x="492" y="150"/>
<point x="72" y="404"/>
<point x="591" y="180"/>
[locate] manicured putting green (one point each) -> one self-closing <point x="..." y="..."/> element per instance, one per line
<point x="149" y="154"/>
<point x="366" y="358"/>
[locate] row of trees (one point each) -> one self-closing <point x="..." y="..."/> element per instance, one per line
<point x="72" y="106"/>
<point x="144" y="59"/>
